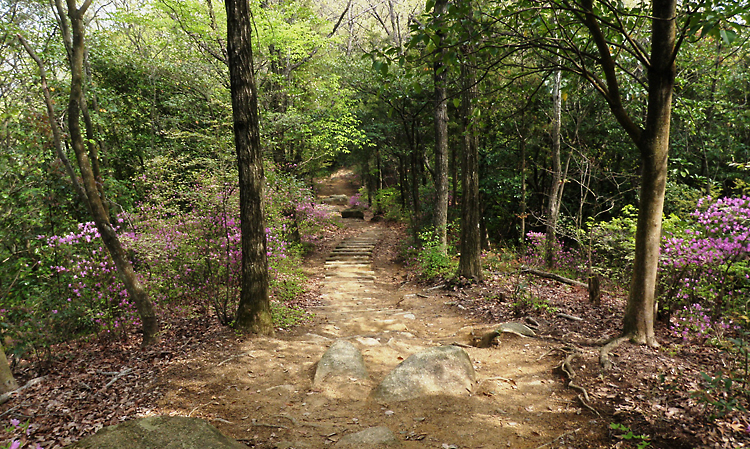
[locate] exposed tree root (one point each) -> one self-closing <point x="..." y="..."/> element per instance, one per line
<point x="549" y="443"/>
<point x="585" y="404"/>
<point x="118" y="375"/>
<point x="566" y="368"/>
<point x="504" y="379"/>
<point x="7" y="396"/>
<point x="244" y="354"/>
<point x="607" y="348"/>
<point x="274" y="426"/>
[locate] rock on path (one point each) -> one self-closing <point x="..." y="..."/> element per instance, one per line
<point x="262" y="390"/>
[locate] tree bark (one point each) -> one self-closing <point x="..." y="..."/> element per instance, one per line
<point x="57" y="138"/>
<point x="137" y="293"/>
<point x="470" y="264"/>
<point x="440" y="219"/>
<point x="554" y="198"/>
<point x="654" y="148"/>
<point x="68" y="42"/>
<point x="7" y="381"/>
<point x="254" y="309"/>
<point x="653" y="144"/>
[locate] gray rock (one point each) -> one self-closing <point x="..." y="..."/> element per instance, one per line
<point x="353" y="213"/>
<point x="442" y="370"/>
<point x="159" y="432"/>
<point x="516" y="328"/>
<point x="336" y="199"/>
<point x="342" y="359"/>
<point x="372" y="438"/>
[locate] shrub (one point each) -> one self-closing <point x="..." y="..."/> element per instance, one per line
<point x="707" y="260"/>
<point x="387" y="201"/>
<point x="434" y="262"/>
<point x="185" y="246"/>
<point x="563" y="259"/>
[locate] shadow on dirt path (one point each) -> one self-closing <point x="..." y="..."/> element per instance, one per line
<point x="259" y="390"/>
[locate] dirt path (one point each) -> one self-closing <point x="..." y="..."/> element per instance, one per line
<point x="259" y="390"/>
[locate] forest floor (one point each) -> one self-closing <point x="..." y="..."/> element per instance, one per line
<point x="259" y="390"/>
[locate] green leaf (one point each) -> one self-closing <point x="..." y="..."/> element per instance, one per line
<point x="456" y="102"/>
<point x="728" y="36"/>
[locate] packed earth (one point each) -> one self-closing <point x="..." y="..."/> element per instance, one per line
<point x="545" y="389"/>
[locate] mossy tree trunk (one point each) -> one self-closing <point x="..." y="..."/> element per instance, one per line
<point x="254" y="310"/>
<point x="99" y="213"/>
<point x="7" y="381"/>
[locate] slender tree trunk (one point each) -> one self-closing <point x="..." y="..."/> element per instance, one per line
<point x="416" y="173"/>
<point x="93" y="149"/>
<point x="553" y="200"/>
<point x="470" y="264"/>
<point x="440" y="220"/>
<point x="7" y="381"/>
<point x="57" y="138"/>
<point x="453" y="176"/>
<point x="654" y="147"/>
<point x="522" y="145"/>
<point x="137" y="293"/>
<point x="254" y="310"/>
<point x="403" y="182"/>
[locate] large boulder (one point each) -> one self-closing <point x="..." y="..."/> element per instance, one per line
<point x="372" y="438"/>
<point x="444" y="370"/>
<point x="159" y="432"/>
<point x="341" y="360"/>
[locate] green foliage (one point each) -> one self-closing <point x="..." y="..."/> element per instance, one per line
<point x="434" y="262"/>
<point x="388" y="202"/>
<point x="628" y="435"/>
<point x="524" y="301"/>
<point x="499" y="260"/>
<point x="285" y="316"/>
<point x="729" y="390"/>
<point x="613" y="242"/>
<point x="721" y="394"/>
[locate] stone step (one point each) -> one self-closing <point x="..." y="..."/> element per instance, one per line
<point x="356" y="252"/>
<point x="347" y="264"/>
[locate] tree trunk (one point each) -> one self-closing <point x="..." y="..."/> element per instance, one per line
<point x="470" y="264"/>
<point x="254" y="309"/>
<point x="137" y="293"/>
<point x="69" y="42"/>
<point x="416" y="173"/>
<point x="57" y="138"/>
<point x="654" y="148"/>
<point x="554" y="198"/>
<point x="7" y="381"/>
<point x="522" y="151"/>
<point x="440" y="219"/>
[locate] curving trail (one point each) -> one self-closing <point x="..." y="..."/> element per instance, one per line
<point x="259" y="390"/>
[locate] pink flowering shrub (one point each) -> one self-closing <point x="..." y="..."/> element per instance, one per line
<point x="357" y="201"/>
<point x="184" y="243"/>
<point x="694" y="323"/>
<point x="563" y="259"/>
<point x="707" y="263"/>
